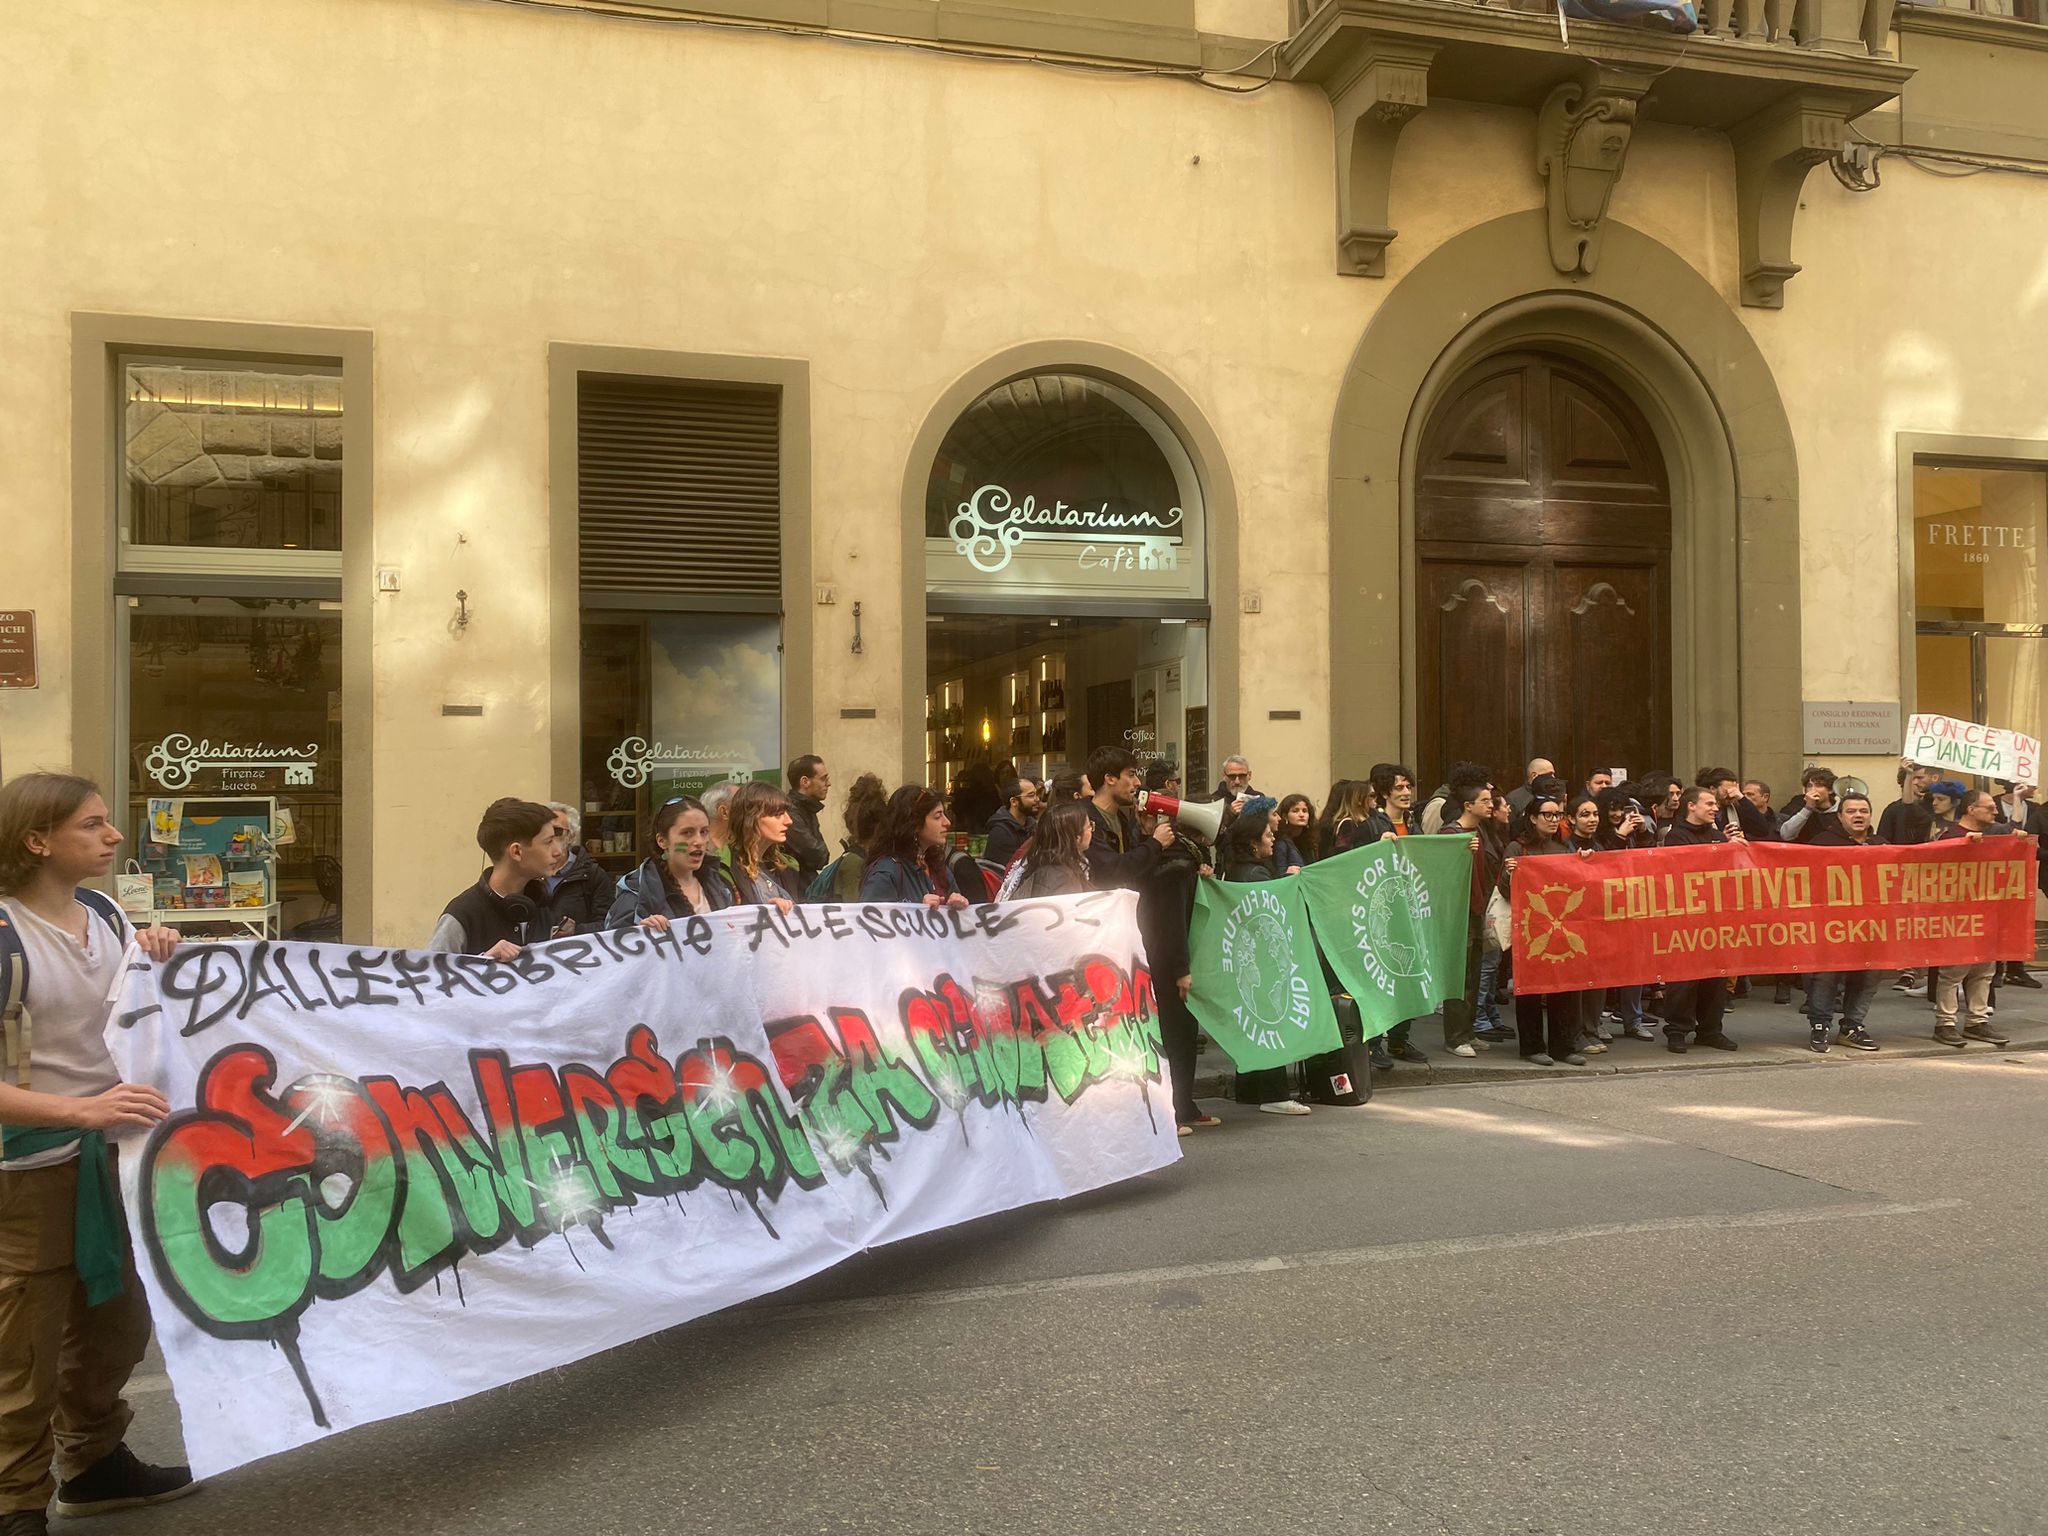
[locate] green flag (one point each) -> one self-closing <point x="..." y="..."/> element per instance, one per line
<point x="1391" y="918"/>
<point x="1257" y="989"/>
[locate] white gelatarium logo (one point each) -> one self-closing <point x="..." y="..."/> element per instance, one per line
<point x="634" y="760"/>
<point x="990" y="524"/>
<point x="1389" y="918"/>
<point x="175" y="760"/>
<point x="1258" y="957"/>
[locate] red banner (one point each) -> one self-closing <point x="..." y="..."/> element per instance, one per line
<point x="1748" y="909"/>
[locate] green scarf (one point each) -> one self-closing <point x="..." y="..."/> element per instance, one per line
<point x="97" y="1235"/>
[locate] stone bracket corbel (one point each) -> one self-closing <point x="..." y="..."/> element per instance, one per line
<point x="1390" y="86"/>
<point x="1582" y="136"/>
<point x="1773" y="152"/>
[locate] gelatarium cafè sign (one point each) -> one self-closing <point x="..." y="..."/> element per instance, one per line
<point x="1017" y="538"/>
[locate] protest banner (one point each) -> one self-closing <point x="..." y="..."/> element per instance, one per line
<point x="1390" y="918"/>
<point x="1971" y="750"/>
<point x="393" y="1179"/>
<point x="1732" y="909"/>
<point x="1258" y="989"/>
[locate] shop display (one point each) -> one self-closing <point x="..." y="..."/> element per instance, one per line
<point x="210" y="860"/>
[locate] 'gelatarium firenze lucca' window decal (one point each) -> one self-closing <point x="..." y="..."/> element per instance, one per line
<point x="1064" y="485"/>
<point x="177" y="760"/>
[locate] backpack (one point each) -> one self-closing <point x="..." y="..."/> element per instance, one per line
<point x="824" y="881"/>
<point x="14" y="1014"/>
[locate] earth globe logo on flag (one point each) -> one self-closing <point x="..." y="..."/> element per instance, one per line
<point x="1258" y="956"/>
<point x="1388" y="917"/>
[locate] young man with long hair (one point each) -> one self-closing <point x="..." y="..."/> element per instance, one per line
<point x="73" y="1319"/>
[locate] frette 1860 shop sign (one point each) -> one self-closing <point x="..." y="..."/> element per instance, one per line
<point x="991" y="523"/>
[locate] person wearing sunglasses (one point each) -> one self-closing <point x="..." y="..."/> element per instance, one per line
<point x="679" y="879"/>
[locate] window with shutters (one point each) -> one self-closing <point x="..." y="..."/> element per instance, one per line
<point x="679" y="520"/>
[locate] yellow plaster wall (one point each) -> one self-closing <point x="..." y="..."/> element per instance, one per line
<point x="471" y="183"/>
<point x="1921" y="307"/>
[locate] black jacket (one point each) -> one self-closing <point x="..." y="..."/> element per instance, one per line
<point x="1166" y="908"/>
<point x="1006" y="835"/>
<point x="1804" y="824"/>
<point x="806" y="842"/>
<point x="1683" y="834"/>
<point x="1119" y="858"/>
<point x="583" y="894"/>
<point x="1286" y="855"/>
<point x="646" y="893"/>
<point x="1381" y="822"/>
<point x="1837" y="837"/>
<point x="485" y="917"/>
<point x="1904" y="822"/>
<point x="893" y="879"/>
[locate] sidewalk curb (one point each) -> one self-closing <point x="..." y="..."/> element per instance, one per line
<point x="1215" y="1084"/>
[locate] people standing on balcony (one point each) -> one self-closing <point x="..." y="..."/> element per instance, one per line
<point x="809" y="782"/>
<point x="678" y="879"/>
<point x="507" y="908"/>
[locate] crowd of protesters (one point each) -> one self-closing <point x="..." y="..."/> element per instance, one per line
<point x="1114" y="823"/>
<point x="1107" y="825"/>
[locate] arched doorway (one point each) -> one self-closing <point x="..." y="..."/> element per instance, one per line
<point x="1543" y="561"/>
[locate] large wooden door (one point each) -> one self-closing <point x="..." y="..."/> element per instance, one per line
<point x="1543" y="540"/>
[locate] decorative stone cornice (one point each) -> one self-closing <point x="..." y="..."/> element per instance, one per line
<point x="1582" y="137"/>
<point x="1388" y="87"/>
<point x="1773" y="152"/>
<point x="1780" y="77"/>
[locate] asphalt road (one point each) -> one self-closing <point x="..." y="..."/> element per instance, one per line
<point x="1800" y="1298"/>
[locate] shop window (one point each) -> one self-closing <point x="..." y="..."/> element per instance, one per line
<point x="1067" y="569"/>
<point x="1980" y="601"/>
<point x="227" y="489"/>
<point x="679" y="518"/>
<point x="234" y="714"/>
<point x="229" y="466"/>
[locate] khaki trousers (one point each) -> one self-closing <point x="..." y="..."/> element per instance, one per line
<point x="63" y="1365"/>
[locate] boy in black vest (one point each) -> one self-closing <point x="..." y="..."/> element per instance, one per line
<point x="507" y="908"/>
<point x="73" y="1319"/>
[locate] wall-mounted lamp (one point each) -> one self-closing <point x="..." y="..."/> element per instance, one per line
<point x="856" y="629"/>
<point x="988" y="731"/>
<point x="461" y="610"/>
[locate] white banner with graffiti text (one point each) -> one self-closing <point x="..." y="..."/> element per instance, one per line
<point x="392" y="1179"/>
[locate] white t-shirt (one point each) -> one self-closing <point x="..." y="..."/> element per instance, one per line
<point x="70" y="997"/>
